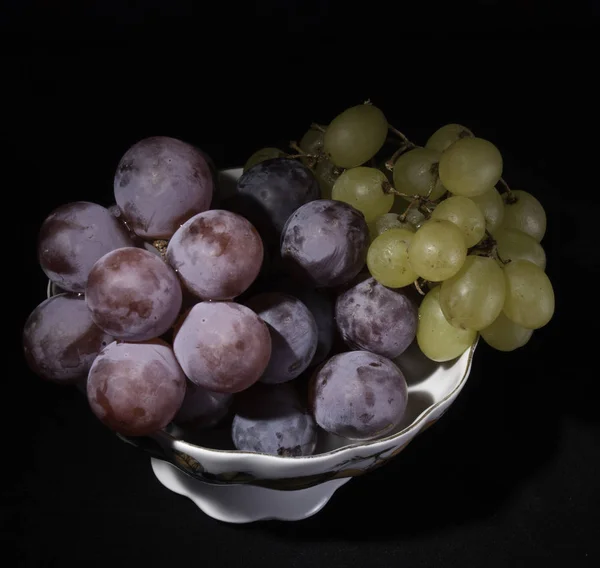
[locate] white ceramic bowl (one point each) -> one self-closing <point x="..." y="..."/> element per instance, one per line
<point x="237" y="486"/>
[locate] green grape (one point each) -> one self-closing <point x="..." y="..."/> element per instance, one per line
<point x="505" y="335"/>
<point x="437" y="339"/>
<point x="516" y="245"/>
<point x="415" y="217"/>
<point x="416" y="170"/>
<point x="492" y="207"/>
<point x="465" y="215"/>
<point x="355" y="136"/>
<point x="262" y="155"/>
<point x="524" y="214"/>
<point x="312" y="141"/>
<point x="326" y="174"/>
<point x="470" y="166"/>
<point x="386" y="222"/>
<point x="529" y="295"/>
<point x="437" y="250"/>
<point x="474" y="296"/>
<point x="363" y="188"/>
<point x="447" y="135"/>
<point x="387" y="258"/>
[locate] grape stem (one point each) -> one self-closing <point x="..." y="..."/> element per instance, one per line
<point x="420" y="201"/>
<point x="489" y="247"/>
<point x="510" y="196"/>
<point x="312" y="158"/>
<point x="393" y="140"/>
<point x="318" y="127"/>
<point x="387" y="187"/>
<point x="497" y="254"/>
<point x="294" y="146"/>
<point x="301" y="156"/>
<point x="389" y="164"/>
<point x="494" y="247"/>
<point x="410" y="206"/>
<point x="418" y="287"/>
<point x="406" y="141"/>
<point x="435" y="176"/>
<point x="428" y="211"/>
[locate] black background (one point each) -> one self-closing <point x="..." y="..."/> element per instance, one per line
<point x="510" y="476"/>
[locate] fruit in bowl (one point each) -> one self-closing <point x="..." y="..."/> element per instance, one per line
<point x="309" y="327"/>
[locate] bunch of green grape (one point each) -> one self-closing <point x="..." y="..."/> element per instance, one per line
<point x="478" y="251"/>
<point x="438" y="221"/>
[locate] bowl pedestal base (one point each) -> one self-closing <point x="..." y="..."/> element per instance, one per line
<point x="246" y="503"/>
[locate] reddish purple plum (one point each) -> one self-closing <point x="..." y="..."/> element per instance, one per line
<point x="222" y="346"/>
<point x="271" y="419"/>
<point x="293" y="332"/>
<point x="218" y="254"/>
<point x="372" y="317"/>
<point x="61" y="340"/>
<point x="136" y="388"/>
<point x="269" y="192"/>
<point x="325" y="243"/>
<point x="73" y="237"/>
<point x="160" y="183"/>
<point x="321" y="307"/>
<point x="202" y="408"/>
<point x="133" y="294"/>
<point x="358" y="395"/>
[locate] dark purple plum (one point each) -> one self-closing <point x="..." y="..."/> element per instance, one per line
<point x="133" y="294"/>
<point x="160" y="183"/>
<point x="61" y="340"/>
<point x="73" y="237"/>
<point x="320" y="306"/>
<point x="372" y="317"/>
<point x="202" y="408"/>
<point x="222" y="346"/>
<point x="269" y="192"/>
<point x="271" y="419"/>
<point x="218" y="254"/>
<point x="136" y="388"/>
<point x="325" y="242"/>
<point x="358" y="395"/>
<point x="293" y="332"/>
